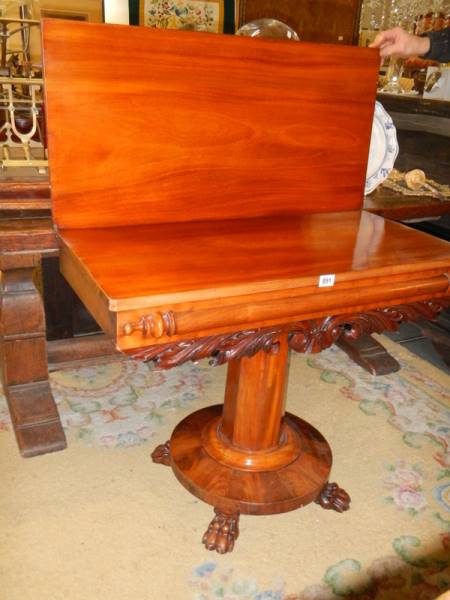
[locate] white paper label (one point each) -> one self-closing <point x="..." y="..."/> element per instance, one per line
<point x="326" y="280"/>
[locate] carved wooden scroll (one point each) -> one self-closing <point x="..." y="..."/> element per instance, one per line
<point x="221" y="348"/>
<point x="314" y="336"/>
<point x="306" y="336"/>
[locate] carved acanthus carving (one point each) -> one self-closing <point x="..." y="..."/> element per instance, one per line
<point x="305" y="336"/>
<point x="155" y="325"/>
<point x="221" y="348"/>
<point x="315" y="336"/>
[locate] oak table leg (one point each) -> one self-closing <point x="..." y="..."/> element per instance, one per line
<point x="249" y="456"/>
<point x="24" y="371"/>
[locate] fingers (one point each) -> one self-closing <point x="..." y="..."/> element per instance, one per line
<point x="393" y="49"/>
<point x="381" y="40"/>
<point x="392" y="42"/>
<point x="400" y="44"/>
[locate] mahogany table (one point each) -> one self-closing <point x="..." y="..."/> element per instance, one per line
<point x="26" y="228"/>
<point x="225" y="222"/>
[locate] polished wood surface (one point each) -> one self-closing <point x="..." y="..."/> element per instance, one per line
<point x="205" y="126"/>
<point x="261" y="492"/>
<point x="332" y="22"/>
<point x="197" y="261"/>
<point x="245" y="460"/>
<point x="205" y="230"/>
<point x="246" y="273"/>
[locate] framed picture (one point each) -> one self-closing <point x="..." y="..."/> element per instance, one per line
<point x="201" y="15"/>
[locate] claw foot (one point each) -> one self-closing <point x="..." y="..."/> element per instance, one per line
<point x="161" y="454"/>
<point x="333" y="497"/>
<point x="222" y="532"/>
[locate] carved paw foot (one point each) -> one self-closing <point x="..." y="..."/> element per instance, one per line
<point x="333" y="497"/>
<point x="161" y="454"/>
<point x="222" y="532"/>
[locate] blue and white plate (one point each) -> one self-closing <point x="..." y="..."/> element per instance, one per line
<point x="383" y="149"/>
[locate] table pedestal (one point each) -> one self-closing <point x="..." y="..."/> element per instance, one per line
<point x="249" y="456"/>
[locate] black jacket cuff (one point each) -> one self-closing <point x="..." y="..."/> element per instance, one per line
<point x="439" y="45"/>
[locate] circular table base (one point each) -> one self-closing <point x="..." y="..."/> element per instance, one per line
<point x="234" y="490"/>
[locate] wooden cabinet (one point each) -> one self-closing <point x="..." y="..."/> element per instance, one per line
<point x="329" y="21"/>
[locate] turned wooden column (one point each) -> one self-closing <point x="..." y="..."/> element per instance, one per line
<point x="248" y="455"/>
<point x="255" y="399"/>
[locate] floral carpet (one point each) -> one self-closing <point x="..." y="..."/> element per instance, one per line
<point x="103" y="521"/>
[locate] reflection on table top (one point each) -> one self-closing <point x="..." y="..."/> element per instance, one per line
<point x="199" y="260"/>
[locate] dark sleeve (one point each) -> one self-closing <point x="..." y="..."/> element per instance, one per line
<point x="439" y="45"/>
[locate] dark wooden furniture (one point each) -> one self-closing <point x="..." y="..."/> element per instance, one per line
<point x="393" y="205"/>
<point x="423" y="132"/>
<point x="328" y="21"/>
<point x="227" y="224"/>
<point x="27" y="242"/>
<point x="24" y="370"/>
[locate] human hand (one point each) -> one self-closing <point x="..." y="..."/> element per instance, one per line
<point x="400" y="44"/>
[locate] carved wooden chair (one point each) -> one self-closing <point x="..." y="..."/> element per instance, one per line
<point x="207" y="192"/>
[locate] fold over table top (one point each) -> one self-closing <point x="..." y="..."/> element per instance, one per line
<point x="251" y="271"/>
<point x="202" y="184"/>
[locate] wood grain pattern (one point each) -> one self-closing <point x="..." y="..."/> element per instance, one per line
<point x="164" y="264"/>
<point x="227" y="126"/>
<point x="369" y="354"/>
<point x="197" y="229"/>
<point x="261" y="492"/>
<point x="27" y="190"/>
<point x="256" y="387"/>
<point x="23" y="368"/>
<point x="305" y="336"/>
<point x="28" y="234"/>
<point x="270" y="275"/>
<point x="330" y="21"/>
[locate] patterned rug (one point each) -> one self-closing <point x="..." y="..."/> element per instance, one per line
<point x="101" y="521"/>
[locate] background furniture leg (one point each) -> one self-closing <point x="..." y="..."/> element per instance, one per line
<point x="369" y="354"/>
<point x="24" y="371"/>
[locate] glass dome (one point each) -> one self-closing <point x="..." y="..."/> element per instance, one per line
<point x="268" y="28"/>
